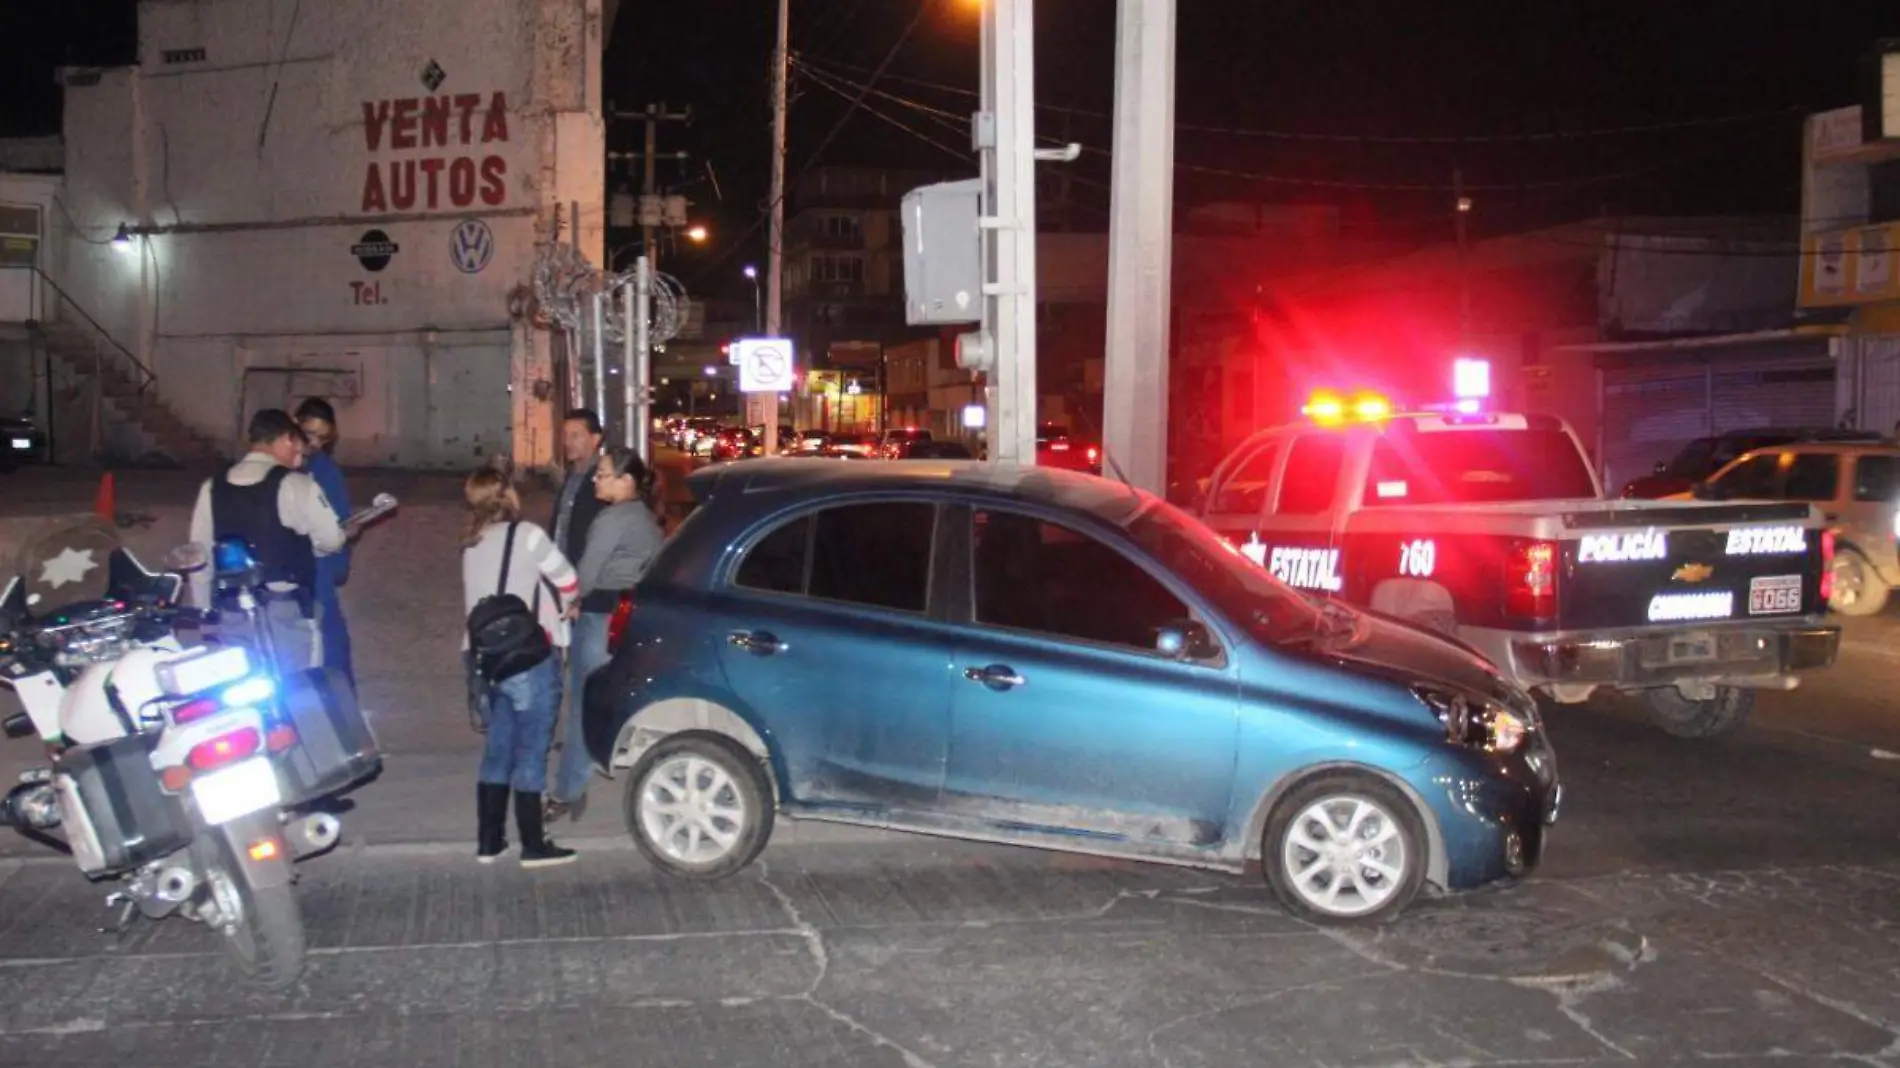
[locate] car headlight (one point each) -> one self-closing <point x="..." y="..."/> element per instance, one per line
<point x="1484" y="725"/>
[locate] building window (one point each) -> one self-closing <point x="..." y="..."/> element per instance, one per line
<point x="183" y="55"/>
<point x="842" y="226"/>
<point x="837" y="269"/>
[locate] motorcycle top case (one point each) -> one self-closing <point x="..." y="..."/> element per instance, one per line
<point x="335" y="747"/>
<point x="115" y="814"/>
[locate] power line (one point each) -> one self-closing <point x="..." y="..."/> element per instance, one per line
<point x="1739" y="118"/>
<point x="890" y="56"/>
<point x="864" y="90"/>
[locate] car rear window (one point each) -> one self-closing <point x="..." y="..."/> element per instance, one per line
<point x="1477" y="466"/>
<point x="1877" y="478"/>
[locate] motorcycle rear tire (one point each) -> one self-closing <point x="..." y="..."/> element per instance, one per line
<point x="267" y="941"/>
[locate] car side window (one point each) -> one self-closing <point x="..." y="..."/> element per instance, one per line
<point x="1813" y="476"/>
<point x="870" y="554"/>
<point x="1877" y="478"/>
<point x="1033" y="575"/>
<point x="1245" y="491"/>
<point x="1312" y="475"/>
<point x="1752" y="478"/>
<point x="776" y="563"/>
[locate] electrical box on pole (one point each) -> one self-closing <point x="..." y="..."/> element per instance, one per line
<point x="943" y="254"/>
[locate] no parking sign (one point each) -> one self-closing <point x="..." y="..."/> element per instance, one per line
<point x="765" y="364"/>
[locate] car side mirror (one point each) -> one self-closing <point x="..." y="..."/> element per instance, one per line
<point x="1184" y="639"/>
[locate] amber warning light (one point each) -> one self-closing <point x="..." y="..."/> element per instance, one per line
<point x="1329" y="409"/>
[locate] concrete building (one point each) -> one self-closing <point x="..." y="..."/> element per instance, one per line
<point x="1850" y="210"/>
<point x="339" y="200"/>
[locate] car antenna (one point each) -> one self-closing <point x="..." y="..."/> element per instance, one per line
<point x="1108" y="460"/>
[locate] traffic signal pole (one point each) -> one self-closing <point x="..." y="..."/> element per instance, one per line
<point x="1140" y="245"/>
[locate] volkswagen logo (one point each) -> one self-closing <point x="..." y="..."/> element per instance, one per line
<point x="471" y="246"/>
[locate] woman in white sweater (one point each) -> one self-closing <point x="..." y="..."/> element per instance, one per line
<point x="523" y="707"/>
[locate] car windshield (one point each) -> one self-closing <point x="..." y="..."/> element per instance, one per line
<point x="1477" y="466"/>
<point x="1244" y="592"/>
<point x="1696" y="460"/>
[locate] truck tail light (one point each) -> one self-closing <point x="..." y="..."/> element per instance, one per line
<point x="1530" y="579"/>
<point x="1827" y="567"/>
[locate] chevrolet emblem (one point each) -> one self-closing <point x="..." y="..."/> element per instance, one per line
<point x="1692" y="573"/>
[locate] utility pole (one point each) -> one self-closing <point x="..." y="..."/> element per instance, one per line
<point x="651" y="117"/>
<point x="775" y="252"/>
<point x="1141" y="245"/>
<point x="1005" y="137"/>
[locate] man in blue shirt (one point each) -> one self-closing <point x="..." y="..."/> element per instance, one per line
<point x="318" y="420"/>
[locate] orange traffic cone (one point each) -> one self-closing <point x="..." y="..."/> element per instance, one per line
<point x="106" y="504"/>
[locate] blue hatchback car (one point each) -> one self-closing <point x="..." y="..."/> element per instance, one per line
<point x="1049" y="659"/>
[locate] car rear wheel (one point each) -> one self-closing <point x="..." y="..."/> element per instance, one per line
<point x="1858" y="590"/>
<point x="698" y="807"/>
<point x="1713" y="717"/>
<point x="1344" y="849"/>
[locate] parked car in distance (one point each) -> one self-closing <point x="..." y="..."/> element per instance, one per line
<point x="21" y="442"/>
<point x="897" y="443"/>
<point x="939" y="450"/>
<point x="1705" y="456"/>
<point x="855" y="446"/>
<point x="1020" y="655"/>
<point x="1056" y="447"/>
<point x="733" y="443"/>
<point x="1856" y="485"/>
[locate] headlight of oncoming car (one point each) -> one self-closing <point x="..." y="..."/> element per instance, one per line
<point x="1484" y="725"/>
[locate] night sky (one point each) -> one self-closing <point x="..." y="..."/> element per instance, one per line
<point x="1519" y="79"/>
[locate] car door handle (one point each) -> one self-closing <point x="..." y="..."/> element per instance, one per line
<point x="759" y="642"/>
<point x="995" y="676"/>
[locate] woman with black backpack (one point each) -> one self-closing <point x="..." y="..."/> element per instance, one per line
<point x="518" y="590"/>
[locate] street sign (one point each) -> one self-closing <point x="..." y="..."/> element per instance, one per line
<point x="765" y="364"/>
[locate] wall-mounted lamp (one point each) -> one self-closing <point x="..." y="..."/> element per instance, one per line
<point x="122" y="240"/>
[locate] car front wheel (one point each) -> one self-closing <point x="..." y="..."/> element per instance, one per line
<point x="698" y="807"/>
<point x="1344" y="849"/>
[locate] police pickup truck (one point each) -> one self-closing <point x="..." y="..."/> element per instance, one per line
<point x="1492" y="528"/>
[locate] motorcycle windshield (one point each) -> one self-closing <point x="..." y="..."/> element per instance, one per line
<point x="79" y="563"/>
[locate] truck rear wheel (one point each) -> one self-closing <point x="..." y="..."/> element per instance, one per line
<point x="1714" y="717"/>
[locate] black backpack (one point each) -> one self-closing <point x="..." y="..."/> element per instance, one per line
<point x="505" y="634"/>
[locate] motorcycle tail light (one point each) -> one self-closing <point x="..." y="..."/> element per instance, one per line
<point x="280" y="738"/>
<point x="193" y="711"/>
<point x="222" y="750"/>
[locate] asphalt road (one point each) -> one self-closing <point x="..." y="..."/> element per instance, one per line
<point x="1735" y="901"/>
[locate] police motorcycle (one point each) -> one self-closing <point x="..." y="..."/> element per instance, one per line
<point x="188" y="773"/>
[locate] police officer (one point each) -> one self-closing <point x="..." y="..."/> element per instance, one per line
<point x="284" y="517"/>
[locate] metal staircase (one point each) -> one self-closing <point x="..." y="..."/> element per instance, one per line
<point x="102" y="374"/>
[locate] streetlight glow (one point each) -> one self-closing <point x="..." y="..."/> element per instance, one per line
<point x="751" y="272"/>
<point x="696" y="234"/>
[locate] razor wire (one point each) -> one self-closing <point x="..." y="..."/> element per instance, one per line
<point x="565" y="286"/>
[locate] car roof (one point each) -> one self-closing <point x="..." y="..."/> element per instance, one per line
<point x="727" y="485"/>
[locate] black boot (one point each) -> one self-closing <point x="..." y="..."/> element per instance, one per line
<point x="491" y="807"/>
<point x="536" y="850"/>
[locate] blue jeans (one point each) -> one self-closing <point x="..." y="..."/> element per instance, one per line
<point x="336" y="631"/>
<point x="521" y="714"/>
<point x="587" y="654"/>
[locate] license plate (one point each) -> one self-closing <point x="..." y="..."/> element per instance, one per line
<point x="238" y="790"/>
<point x="22" y="443"/>
<point x="1774" y="594"/>
<point x="1692" y="648"/>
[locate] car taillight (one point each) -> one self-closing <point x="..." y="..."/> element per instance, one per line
<point x="1530" y="579"/>
<point x="1094" y="454"/>
<point x="1827" y="567"/>
<point x="617" y="623"/>
<point x="222" y="750"/>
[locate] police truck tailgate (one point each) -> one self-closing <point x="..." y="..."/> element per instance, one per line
<point x="1669" y="566"/>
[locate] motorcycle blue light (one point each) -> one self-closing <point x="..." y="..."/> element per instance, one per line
<point x="252" y="691"/>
